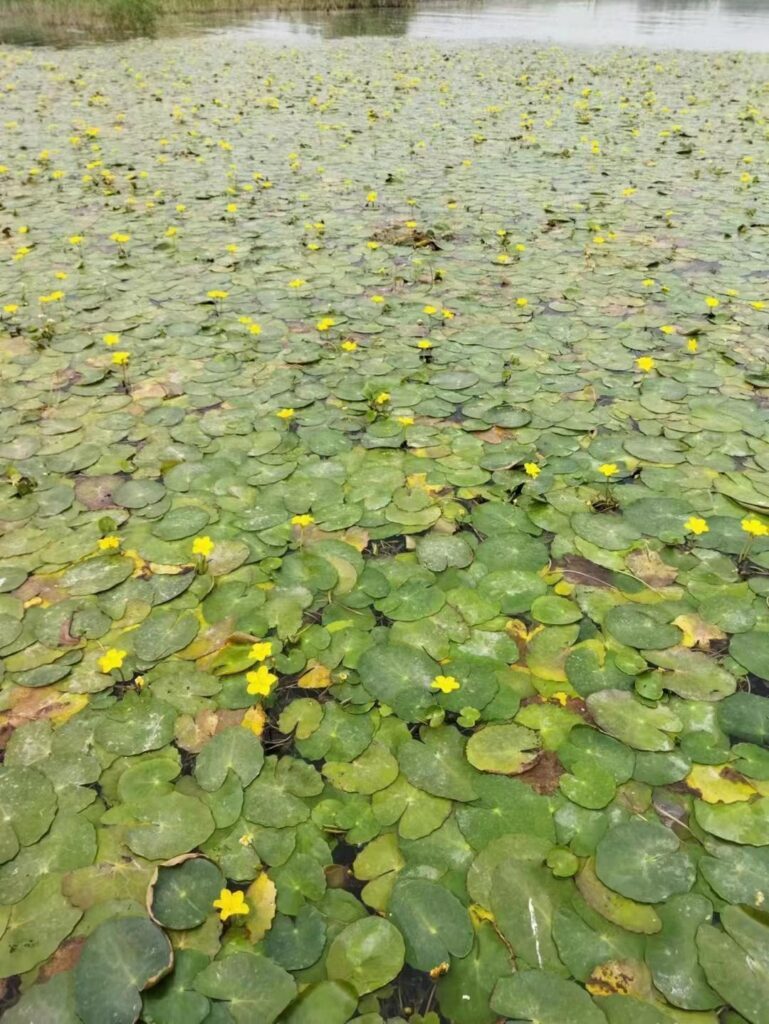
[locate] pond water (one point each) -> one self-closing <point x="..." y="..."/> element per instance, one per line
<point x="659" y="24"/>
<point x="686" y="24"/>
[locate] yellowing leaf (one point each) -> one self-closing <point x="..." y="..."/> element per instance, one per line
<point x="260" y="896"/>
<point x="697" y="632"/>
<point x="317" y="678"/>
<point x="719" y="784"/>
<point x="620" y="977"/>
<point x="254" y="719"/>
<point x="73" y="702"/>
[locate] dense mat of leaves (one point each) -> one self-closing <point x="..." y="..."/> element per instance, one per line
<point x="385" y="535"/>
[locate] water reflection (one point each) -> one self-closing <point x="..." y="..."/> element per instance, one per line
<point x="688" y="24"/>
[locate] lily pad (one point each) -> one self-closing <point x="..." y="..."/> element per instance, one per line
<point x="120" y="959"/>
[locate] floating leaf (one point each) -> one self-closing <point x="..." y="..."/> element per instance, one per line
<point x="119" y="960"/>
<point x="432" y="921"/>
<point x="504" y="749"/>
<point x="544" y="997"/>
<point x="182" y="895"/>
<point x="252" y="987"/>
<point x="367" y="954"/>
<point x="644" y="861"/>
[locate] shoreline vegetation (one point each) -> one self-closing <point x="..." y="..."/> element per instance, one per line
<point x="143" y="17"/>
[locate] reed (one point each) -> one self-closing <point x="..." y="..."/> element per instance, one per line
<point x="142" y="17"/>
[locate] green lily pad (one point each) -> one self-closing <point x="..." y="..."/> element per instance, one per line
<point x="252" y="987"/>
<point x="167" y="826"/>
<point x="644" y="861"/>
<point x="35" y="927"/>
<point x="672" y="953"/>
<point x="182" y="895"/>
<point x="236" y="750"/>
<point x="120" y="959"/>
<point x="739" y="977"/>
<point x="542" y="996"/>
<point x="642" y="727"/>
<point x="434" y="924"/>
<point x="633" y="626"/>
<point x="367" y="954"/>
<point x="751" y="650"/>
<point x="437" y="764"/>
<point x="503" y="749"/>
<point x="173" y="1000"/>
<point x="401" y="677"/>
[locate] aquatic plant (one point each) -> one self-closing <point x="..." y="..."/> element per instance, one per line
<point x="364" y="657"/>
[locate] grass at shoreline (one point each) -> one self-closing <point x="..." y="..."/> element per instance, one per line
<point x="142" y="16"/>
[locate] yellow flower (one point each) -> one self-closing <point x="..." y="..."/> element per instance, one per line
<point x="285" y="414"/>
<point x="629" y="191"/>
<point x="382" y="398"/>
<point x="411" y="223"/>
<point x="532" y="469"/>
<point x="521" y="302"/>
<point x="302" y="520"/>
<point x="448" y="314"/>
<point x="520" y="247"/>
<point x="647" y="282"/>
<point x="755" y="527"/>
<point x="608" y="469"/>
<point x="203" y="546"/>
<point x="119" y="237"/>
<point x="406" y="421"/>
<point x="110" y="339"/>
<point x="758" y="305"/>
<point x="349" y="346"/>
<point x="112" y="659"/>
<point x="254" y="329"/>
<point x="711" y="302"/>
<point x="231" y="207"/>
<point x="424" y="344"/>
<point x="60" y="275"/>
<point x="372" y="245"/>
<point x="261" y="681"/>
<point x="446" y="684"/>
<point x="180" y="207"/>
<point x="260" y="650"/>
<point x="296" y="283"/>
<point x="692" y="345"/>
<point x="645" y="363"/>
<point x="10" y="308"/>
<point x="246" y="839"/>
<point x="231" y="903"/>
<point x="110" y="543"/>
<point x="668" y="329"/>
<point x="254" y="719"/>
<point x="171" y="231"/>
<point x="503" y="258"/>
<point x="696" y="525"/>
<point x="53" y="297"/>
<point x="430" y="310"/>
<point x="121" y="358"/>
<point x="371" y="197"/>
<point x="217" y="293"/>
<point x="378" y="299"/>
<point x="313" y="246"/>
<point x="325" y="323"/>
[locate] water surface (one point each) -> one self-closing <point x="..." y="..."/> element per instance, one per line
<point x="659" y="24"/>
